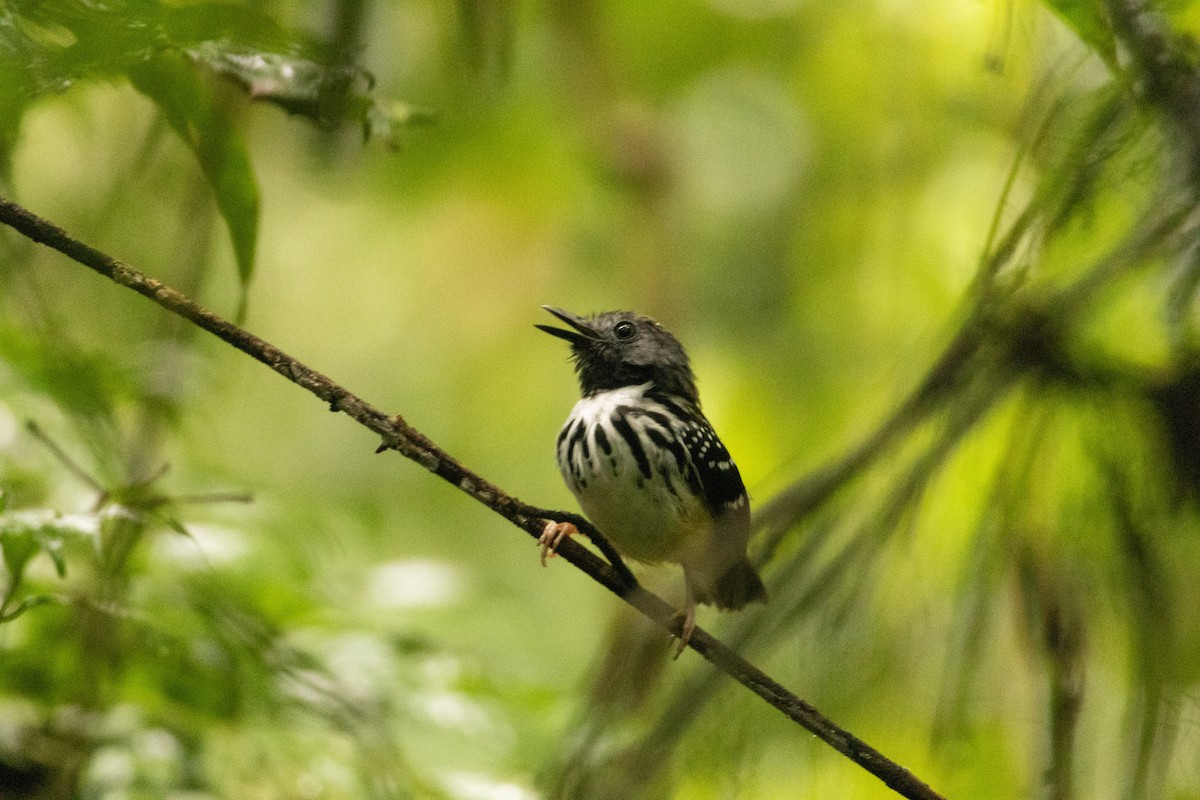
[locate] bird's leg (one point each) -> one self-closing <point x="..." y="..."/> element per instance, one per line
<point x="688" y="625"/>
<point x="552" y="536"/>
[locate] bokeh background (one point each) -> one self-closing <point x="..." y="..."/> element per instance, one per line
<point x="934" y="265"/>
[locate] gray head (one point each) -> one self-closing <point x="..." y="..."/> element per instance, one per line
<point x="623" y="348"/>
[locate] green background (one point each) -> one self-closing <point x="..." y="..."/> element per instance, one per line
<point x="814" y="196"/>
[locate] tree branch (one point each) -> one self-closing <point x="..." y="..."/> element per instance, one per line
<point x="398" y="435"/>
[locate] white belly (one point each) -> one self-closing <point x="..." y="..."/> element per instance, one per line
<point x="649" y="517"/>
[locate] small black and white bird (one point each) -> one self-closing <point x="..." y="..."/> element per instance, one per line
<point x="645" y="464"/>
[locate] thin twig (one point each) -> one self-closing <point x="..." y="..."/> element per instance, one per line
<point x="72" y="466"/>
<point x="398" y="435"/>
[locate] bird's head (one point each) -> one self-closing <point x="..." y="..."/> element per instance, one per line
<point x="623" y="348"/>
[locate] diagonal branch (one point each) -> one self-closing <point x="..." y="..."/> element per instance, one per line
<point x="398" y="435"/>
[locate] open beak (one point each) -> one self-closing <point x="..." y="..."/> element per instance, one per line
<point x="583" y="332"/>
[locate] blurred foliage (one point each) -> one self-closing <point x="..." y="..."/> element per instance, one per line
<point x="937" y="267"/>
<point x="161" y="49"/>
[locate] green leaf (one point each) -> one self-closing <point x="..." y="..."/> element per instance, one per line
<point x="48" y="45"/>
<point x="297" y="85"/>
<point x="50" y="542"/>
<point x="172" y="523"/>
<point x="19" y="548"/>
<point x="1090" y="23"/>
<point x="25" y="534"/>
<point x="328" y="95"/>
<point x="22" y="537"/>
<point x="170" y="79"/>
<point x="16" y="65"/>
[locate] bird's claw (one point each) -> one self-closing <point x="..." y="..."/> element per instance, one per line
<point x="552" y="536"/>
<point x="687" y="625"/>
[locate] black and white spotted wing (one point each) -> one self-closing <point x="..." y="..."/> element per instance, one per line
<point x="720" y="483"/>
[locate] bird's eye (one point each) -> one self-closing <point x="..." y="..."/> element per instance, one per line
<point x="624" y="330"/>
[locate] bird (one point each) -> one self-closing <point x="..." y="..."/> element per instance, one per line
<point x="645" y="464"/>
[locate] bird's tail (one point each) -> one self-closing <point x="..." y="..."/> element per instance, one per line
<point x="734" y="588"/>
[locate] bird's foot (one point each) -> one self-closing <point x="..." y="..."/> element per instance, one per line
<point x="687" y="625"/>
<point x="553" y="536"/>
